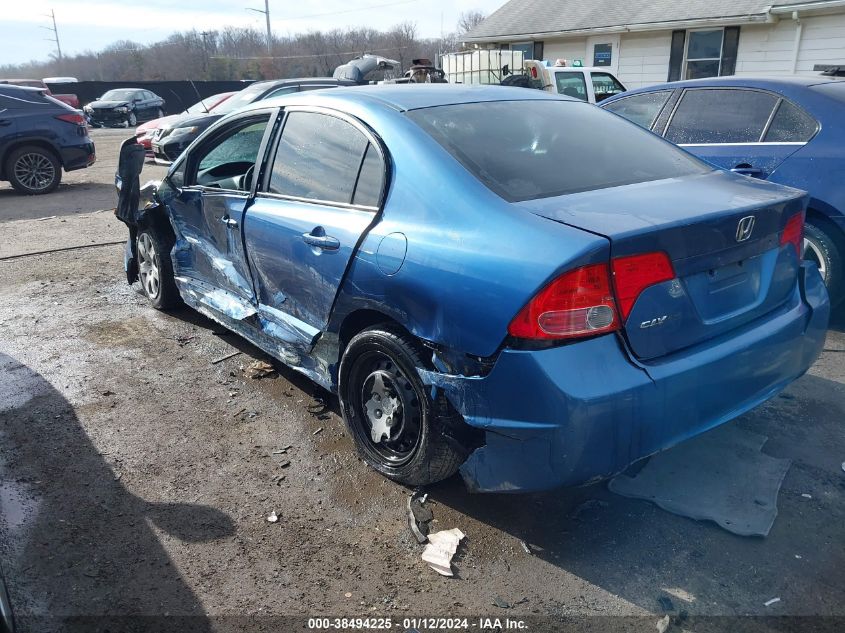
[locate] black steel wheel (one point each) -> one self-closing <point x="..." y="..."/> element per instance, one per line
<point x="397" y="428"/>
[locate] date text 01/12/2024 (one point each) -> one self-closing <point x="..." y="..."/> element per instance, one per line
<point x="417" y="625"/>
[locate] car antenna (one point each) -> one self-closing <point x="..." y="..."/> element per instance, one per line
<point x="202" y="101"/>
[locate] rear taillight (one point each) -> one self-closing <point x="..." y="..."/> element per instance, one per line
<point x="578" y="303"/>
<point x="793" y="233"/>
<point x="635" y="273"/>
<point x="77" y="119"/>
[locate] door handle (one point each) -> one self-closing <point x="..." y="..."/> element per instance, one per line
<point x="318" y="239"/>
<point x="229" y="222"/>
<point x="747" y="171"/>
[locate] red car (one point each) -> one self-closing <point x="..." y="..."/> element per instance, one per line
<point x="144" y="133"/>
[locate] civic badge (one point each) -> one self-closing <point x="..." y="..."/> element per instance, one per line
<point x="744" y="228"/>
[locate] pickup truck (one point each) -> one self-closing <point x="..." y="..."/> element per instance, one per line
<point x="70" y="99"/>
<point x="588" y="83"/>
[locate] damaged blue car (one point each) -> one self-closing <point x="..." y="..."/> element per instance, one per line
<point x="505" y="282"/>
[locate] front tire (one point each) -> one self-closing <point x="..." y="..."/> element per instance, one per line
<point x="397" y="428"/>
<point x="33" y="170"/>
<point x="131" y="120"/>
<point x="155" y="270"/>
<point x="820" y="247"/>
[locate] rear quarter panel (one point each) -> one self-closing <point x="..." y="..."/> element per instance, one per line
<point x="471" y="260"/>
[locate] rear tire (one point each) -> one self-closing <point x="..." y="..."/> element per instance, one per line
<point x="820" y="247"/>
<point x="382" y="396"/>
<point x="33" y="170"/>
<point x="155" y="270"/>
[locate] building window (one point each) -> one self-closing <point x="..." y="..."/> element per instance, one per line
<point x="527" y="49"/>
<point x="704" y="54"/>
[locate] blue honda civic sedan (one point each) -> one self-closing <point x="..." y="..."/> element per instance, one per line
<point x="481" y="296"/>
<point x="786" y="130"/>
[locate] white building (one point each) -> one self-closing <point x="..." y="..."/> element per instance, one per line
<point x="651" y="41"/>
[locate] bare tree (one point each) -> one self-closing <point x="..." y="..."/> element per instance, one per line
<point x="468" y="20"/>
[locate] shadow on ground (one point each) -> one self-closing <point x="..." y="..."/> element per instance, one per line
<point x="59" y="555"/>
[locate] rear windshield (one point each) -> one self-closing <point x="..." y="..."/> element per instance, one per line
<point x="524" y="150"/>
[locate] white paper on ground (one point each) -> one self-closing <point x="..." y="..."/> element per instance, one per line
<point x="440" y="549"/>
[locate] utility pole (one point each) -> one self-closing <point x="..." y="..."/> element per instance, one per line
<point x="55" y="38"/>
<point x="266" y="13"/>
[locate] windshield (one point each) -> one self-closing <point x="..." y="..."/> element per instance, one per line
<point x="119" y="95"/>
<point x="241" y="99"/>
<point x="523" y="150"/>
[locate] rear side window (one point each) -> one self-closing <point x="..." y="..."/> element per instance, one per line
<point x="524" y="150"/>
<point x="370" y="180"/>
<point x="791" y="125"/>
<point x="641" y="109"/>
<point x="715" y="115"/>
<point x="319" y="158"/>
<point x="281" y="91"/>
<point x="571" y="85"/>
<point x="605" y="85"/>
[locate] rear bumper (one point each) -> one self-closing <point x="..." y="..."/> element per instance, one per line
<point x="78" y="156"/>
<point x="584" y="412"/>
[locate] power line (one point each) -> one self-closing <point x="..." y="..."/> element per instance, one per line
<point x="369" y="50"/>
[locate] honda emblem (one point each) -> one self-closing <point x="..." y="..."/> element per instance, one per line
<point x="744" y="228"/>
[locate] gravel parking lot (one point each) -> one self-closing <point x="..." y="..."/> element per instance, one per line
<point x="136" y="476"/>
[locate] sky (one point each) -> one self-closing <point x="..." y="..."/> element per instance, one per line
<point x="93" y="24"/>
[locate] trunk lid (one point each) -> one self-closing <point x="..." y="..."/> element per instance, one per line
<point x="725" y="276"/>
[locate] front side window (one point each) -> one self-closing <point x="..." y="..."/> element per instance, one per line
<point x="641" y="109"/>
<point x="704" y="54"/>
<point x="227" y="159"/>
<point x="319" y="158"/>
<point x="605" y="85"/>
<point x="523" y="150"/>
<point x="718" y="115"/>
<point x="791" y="124"/>
<point x="572" y="85"/>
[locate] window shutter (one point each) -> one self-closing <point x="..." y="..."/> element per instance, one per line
<point x="676" y="55"/>
<point x="730" y="44"/>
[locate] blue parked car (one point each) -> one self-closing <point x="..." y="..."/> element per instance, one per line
<point x="790" y="131"/>
<point x="450" y="262"/>
<point x="39" y="137"/>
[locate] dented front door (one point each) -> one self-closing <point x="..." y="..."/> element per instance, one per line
<point x="210" y="211"/>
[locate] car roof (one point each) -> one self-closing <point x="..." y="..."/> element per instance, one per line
<point x="13" y="90"/>
<point x="772" y="83"/>
<point x="415" y="96"/>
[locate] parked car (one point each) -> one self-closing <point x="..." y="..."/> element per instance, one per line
<point x="171" y="139"/>
<point x="40" y="137"/>
<point x="478" y="293"/>
<point x="786" y="130"/>
<point x="71" y="99"/>
<point x="587" y="83"/>
<point x="145" y="132"/>
<point x="125" y="107"/>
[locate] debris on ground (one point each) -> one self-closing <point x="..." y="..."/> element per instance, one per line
<point x="843" y="466"/>
<point x="108" y="392"/>
<point x="525" y="547"/>
<point x="259" y="369"/>
<point x="273" y="517"/>
<point x="665" y="603"/>
<point x="440" y="550"/>
<point x="318" y="431"/>
<point x="806" y="495"/>
<point x="663" y="624"/>
<point x="282" y="451"/>
<point x="285" y="464"/>
<point x="769" y="603"/>
<point x="502" y="604"/>
<point x="587" y="506"/>
<point x="226" y="357"/>
<point x="419" y="516"/>
<point x="237" y="413"/>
